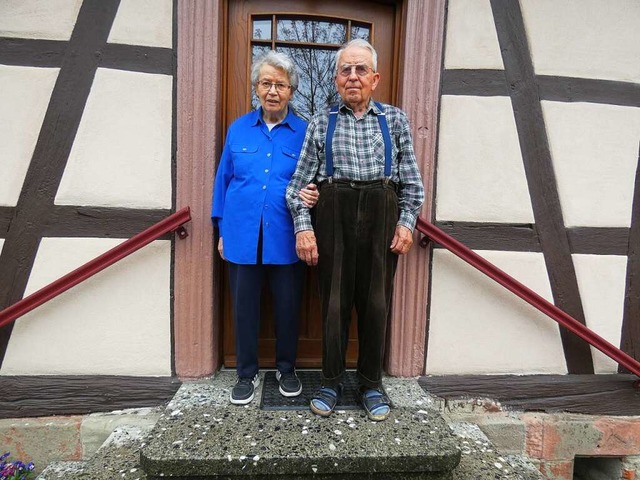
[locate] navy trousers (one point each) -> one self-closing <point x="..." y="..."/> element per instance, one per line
<point x="286" y="283"/>
<point x="355" y="223"/>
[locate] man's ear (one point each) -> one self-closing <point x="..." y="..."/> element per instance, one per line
<point x="376" y="80"/>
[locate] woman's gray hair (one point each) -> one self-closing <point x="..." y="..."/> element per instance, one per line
<point x="361" y="43"/>
<point x="276" y="60"/>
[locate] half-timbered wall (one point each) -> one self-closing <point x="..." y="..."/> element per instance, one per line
<point x="86" y="147"/>
<point x="537" y="171"/>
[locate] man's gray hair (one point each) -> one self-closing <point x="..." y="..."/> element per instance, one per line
<point x="276" y="60"/>
<point x="361" y="43"/>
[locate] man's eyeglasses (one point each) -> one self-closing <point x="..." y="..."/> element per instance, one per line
<point x="361" y="70"/>
<point x="266" y="86"/>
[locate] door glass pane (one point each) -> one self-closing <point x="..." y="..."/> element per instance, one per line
<point x="316" y="87"/>
<point x="311" y="31"/>
<point x="360" y="31"/>
<point x="256" y="51"/>
<point x="261" y="30"/>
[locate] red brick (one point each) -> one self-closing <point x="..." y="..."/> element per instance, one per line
<point x="557" y="470"/>
<point x="620" y="436"/>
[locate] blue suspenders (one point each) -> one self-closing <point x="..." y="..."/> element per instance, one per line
<point x="331" y="127"/>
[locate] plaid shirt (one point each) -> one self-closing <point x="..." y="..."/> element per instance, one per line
<point x="358" y="154"/>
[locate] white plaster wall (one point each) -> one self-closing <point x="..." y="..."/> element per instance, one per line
<point x="480" y="171"/>
<point x="479" y="327"/>
<point x="115" y="323"/>
<point x="584" y="38"/>
<point x="24" y="97"/>
<point x="44" y="19"/>
<point x="143" y="22"/>
<point x="121" y="155"/>
<point x="595" y="155"/>
<point x="471" y="38"/>
<point x="602" y="280"/>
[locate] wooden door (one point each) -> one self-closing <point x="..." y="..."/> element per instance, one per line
<point x="310" y="32"/>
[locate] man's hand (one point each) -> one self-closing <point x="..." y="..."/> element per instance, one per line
<point x="306" y="247"/>
<point x="402" y="240"/>
<point x="221" y="248"/>
<point x="309" y="195"/>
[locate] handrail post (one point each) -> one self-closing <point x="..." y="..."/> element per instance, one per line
<point x="528" y="295"/>
<point x="169" y="224"/>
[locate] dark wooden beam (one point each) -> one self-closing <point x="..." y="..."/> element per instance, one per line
<point x="138" y="58"/>
<point x="493" y="236"/>
<point x="540" y="175"/>
<point x="28" y="52"/>
<point x="31" y="53"/>
<point x="484" y="82"/>
<point x="35" y="396"/>
<point x="586" y="394"/>
<point x="510" y="237"/>
<point x="478" y="83"/>
<point x="630" y="338"/>
<point x="6" y="214"/>
<point x="101" y="222"/>
<point x="599" y="240"/>
<point x="568" y="89"/>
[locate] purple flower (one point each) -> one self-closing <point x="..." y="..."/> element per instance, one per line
<point x="14" y="470"/>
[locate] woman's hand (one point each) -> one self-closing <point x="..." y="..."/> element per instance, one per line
<point x="220" y="248"/>
<point x="309" y="195"/>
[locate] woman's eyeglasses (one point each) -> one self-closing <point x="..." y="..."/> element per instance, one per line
<point x="361" y="70"/>
<point x="266" y="86"/>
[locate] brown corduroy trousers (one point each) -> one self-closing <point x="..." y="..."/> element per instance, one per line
<point x="355" y="224"/>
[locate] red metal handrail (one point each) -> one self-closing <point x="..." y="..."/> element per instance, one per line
<point x="171" y="223"/>
<point x="528" y="295"/>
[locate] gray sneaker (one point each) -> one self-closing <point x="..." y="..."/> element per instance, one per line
<point x="289" y="384"/>
<point x="243" y="391"/>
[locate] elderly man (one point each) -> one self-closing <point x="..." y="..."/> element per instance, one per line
<point x="361" y="154"/>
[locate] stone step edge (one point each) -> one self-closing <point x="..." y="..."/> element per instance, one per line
<point x="118" y="457"/>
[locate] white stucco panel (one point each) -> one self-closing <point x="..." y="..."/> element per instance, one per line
<point x="472" y="41"/>
<point x="143" y="22"/>
<point x="480" y="175"/>
<point x="584" y="38"/>
<point x="24" y="97"/>
<point x="602" y="280"/>
<point x="479" y="327"/>
<point x="45" y="19"/>
<point x="595" y="155"/>
<point x="115" y="323"/>
<point x="121" y="155"/>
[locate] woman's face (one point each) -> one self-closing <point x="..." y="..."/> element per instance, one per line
<point x="275" y="96"/>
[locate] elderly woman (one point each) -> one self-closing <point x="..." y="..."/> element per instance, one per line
<point x="256" y="230"/>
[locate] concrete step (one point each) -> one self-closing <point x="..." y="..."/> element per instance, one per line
<point x="481" y="460"/>
<point x="117" y="458"/>
<point x="202" y="436"/>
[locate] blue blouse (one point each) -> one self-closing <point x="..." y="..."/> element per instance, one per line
<point x="254" y="170"/>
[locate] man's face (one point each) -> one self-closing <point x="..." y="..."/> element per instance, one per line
<point x="356" y="89"/>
